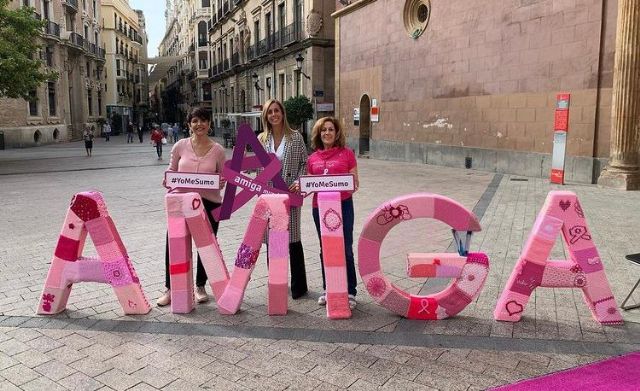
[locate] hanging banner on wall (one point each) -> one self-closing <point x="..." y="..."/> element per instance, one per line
<point x="561" y="127"/>
<point x="375" y="111"/>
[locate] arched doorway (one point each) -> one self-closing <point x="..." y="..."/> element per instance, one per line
<point x="365" y="125"/>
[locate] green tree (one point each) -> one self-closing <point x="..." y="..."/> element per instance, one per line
<point x="299" y="110"/>
<point x="21" y="69"/>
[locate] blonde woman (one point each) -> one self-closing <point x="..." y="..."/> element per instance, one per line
<point x="277" y="137"/>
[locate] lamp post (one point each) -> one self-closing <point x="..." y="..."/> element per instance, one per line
<point x="299" y="61"/>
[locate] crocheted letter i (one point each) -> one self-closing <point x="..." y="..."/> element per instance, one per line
<point x="468" y="271"/>
<point x="560" y="212"/>
<point x="88" y="214"/>
<point x="333" y="255"/>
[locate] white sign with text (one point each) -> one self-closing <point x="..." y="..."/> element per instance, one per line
<point x="320" y="183"/>
<point x="191" y="180"/>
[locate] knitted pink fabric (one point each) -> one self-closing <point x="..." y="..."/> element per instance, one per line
<point x="561" y="213"/>
<point x="88" y="214"/>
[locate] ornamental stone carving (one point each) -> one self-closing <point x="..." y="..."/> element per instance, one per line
<point x="314" y="23"/>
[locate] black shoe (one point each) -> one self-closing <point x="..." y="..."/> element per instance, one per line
<point x="297" y="295"/>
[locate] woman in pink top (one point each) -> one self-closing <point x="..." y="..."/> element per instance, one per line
<point x="331" y="157"/>
<point x="198" y="154"/>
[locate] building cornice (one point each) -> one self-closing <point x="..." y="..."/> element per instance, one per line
<point x="351" y="8"/>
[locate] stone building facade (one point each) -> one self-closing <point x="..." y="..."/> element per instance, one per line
<point x="185" y="83"/>
<point x="71" y="46"/>
<point x="125" y="44"/>
<point x="270" y="49"/>
<point x="476" y="81"/>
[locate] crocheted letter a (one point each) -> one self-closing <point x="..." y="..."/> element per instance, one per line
<point x="560" y="212"/>
<point x="88" y="214"/>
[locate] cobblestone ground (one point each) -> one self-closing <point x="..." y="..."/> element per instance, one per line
<point x="93" y="345"/>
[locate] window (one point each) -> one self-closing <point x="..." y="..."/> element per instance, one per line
<point x="202" y="60"/>
<point x="33" y="103"/>
<point x="95" y="8"/>
<point x="51" y="87"/>
<point x="117" y="67"/>
<point x="281" y="16"/>
<point x="99" y="102"/>
<point x="26" y="3"/>
<point x="117" y="42"/>
<point x="90" y="102"/>
<point x="88" y="65"/>
<point x="86" y="32"/>
<point x="49" y="55"/>
<point x="256" y="31"/>
<point x="206" y="4"/>
<point x="202" y="34"/>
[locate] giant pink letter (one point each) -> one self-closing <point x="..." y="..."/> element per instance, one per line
<point x="561" y="211"/>
<point x="88" y="214"/>
<point x="186" y="218"/>
<point x="468" y="270"/>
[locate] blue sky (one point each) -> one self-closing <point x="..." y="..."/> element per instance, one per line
<point x="154" y="17"/>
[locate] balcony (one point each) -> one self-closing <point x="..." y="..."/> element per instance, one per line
<point x="225" y="66"/>
<point x="219" y="13"/>
<point x="52" y="29"/>
<point x="76" y="40"/>
<point x="235" y="59"/>
<point x="225" y="8"/>
<point x="71" y="4"/>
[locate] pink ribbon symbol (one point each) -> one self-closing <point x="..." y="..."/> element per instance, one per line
<point x="424" y="303"/>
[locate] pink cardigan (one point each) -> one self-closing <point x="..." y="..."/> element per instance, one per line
<point x="184" y="159"/>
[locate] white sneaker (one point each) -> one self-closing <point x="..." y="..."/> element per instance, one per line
<point x="165" y="299"/>
<point x="322" y="300"/>
<point x="352" y="302"/>
<point x="201" y="295"/>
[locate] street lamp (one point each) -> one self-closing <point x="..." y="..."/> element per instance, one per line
<point x="299" y="60"/>
<point x="255" y="79"/>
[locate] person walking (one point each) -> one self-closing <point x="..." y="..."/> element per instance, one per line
<point x="140" y="131"/>
<point x="174" y="132"/>
<point x="331" y="157"/>
<point x="278" y="138"/>
<point x="156" y="140"/>
<point x="197" y="154"/>
<point x="87" y="136"/>
<point x="129" y="132"/>
<point x="107" y="131"/>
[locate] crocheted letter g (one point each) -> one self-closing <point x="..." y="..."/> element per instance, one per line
<point x="88" y="214"/>
<point x="468" y="270"/>
<point x="560" y="212"/>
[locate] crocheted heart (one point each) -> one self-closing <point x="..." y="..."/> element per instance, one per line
<point x="565" y="204"/>
<point x="513" y="308"/>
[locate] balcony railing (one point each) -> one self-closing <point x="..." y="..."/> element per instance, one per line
<point x="52" y="28"/>
<point x="76" y="39"/>
<point x="72" y="4"/>
<point x="225" y="64"/>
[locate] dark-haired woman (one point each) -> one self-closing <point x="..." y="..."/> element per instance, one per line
<point x="197" y="154"/>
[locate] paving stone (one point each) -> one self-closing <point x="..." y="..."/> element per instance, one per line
<point x="42" y="383"/>
<point x="19" y="374"/>
<point x="117" y="379"/>
<point x="12" y="347"/>
<point x="54" y="370"/>
<point x="80" y="381"/>
<point x="154" y="376"/>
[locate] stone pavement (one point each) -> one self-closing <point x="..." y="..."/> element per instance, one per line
<point x="94" y="346"/>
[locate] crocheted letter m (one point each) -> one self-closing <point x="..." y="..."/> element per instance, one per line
<point x="560" y="212"/>
<point x="186" y="219"/>
<point x="88" y="214"/>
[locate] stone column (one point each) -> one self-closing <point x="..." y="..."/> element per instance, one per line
<point x="623" y="172"/>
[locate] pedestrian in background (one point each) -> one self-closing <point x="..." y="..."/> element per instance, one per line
<point x="87" y="136"/>
<point x="197" y="154"/>
<point x="331" y="157"/>
<point x="140" y="131"/>
<point x="130" y="132"/>
<point x="107" y="131"/>
<point x="175" y="132"/>
<point x="156" y="140"/>
<point x="277" y="137"/>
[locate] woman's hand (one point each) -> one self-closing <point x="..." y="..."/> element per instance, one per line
<point x="295" y="187"/>
<point x="223" y="182"/>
